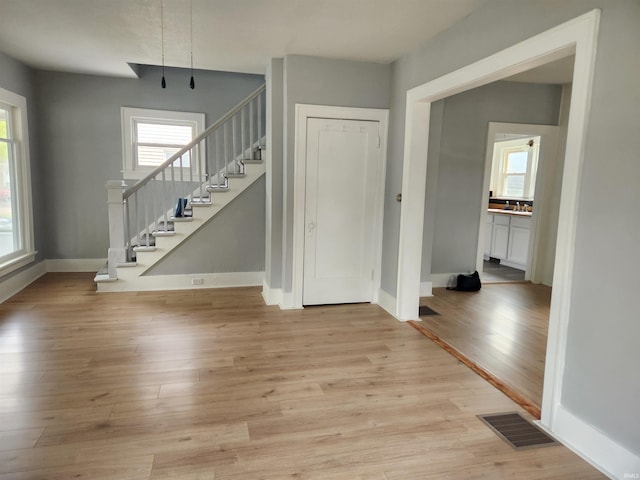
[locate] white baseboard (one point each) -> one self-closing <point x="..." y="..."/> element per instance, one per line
<point x="272" y="296"/>
<point x="21" y="280"/>
<point x="594" y="446"/>
<point x="387" y="302"/>
<point x="288" y="302"/>
<point x="439" y="280"/>
<point x="75" y="264"/>
<point x="184" y="282"/>
<point x="426" y="289"/>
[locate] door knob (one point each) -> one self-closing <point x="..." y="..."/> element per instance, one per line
<point x="311" y="227"/>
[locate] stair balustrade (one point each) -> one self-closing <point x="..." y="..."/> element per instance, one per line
<point x="139" y="213"/>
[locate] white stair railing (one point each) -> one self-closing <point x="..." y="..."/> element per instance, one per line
<point x="193" y="173"/>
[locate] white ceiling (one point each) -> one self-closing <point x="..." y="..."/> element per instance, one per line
<point x="102" y="36"/>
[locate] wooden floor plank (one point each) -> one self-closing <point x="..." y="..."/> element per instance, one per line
<point x="213" y="384"/>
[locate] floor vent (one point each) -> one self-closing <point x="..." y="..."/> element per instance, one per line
<point x="423" y="311"/>
<point x="517" y="431"/>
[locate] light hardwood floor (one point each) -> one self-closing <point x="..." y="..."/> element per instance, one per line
<point x="503" y="328"/>
<point x="212" y="384"/>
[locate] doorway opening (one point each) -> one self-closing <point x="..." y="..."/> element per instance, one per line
<point x="578" y="37"/>
<point x="516" y="225"/>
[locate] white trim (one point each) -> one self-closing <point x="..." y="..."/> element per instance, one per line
<point x="594" y="446"/>
<point x="20" y="134"/>
<point x="287" y="302"/>
<point x="303" y="113"/>
<point x="578" y="35"/>
<point x="184" y="282"/>
<point x="21" y="280"/>
<point x="17" y="262"/>
<point x="387" y="302"/>
<point x="426" y="289"/>
<point x="271" y="296"/>
<point x="74" y="264"/>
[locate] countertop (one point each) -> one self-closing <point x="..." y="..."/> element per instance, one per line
<point x="509" y="212"/>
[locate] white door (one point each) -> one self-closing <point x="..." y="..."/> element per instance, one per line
<point x="343" y="165"/>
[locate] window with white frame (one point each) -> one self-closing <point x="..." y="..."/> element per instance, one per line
<point x="150" y="137"/>
<point x="513" y="173"/>
<point x="16" y="217"/>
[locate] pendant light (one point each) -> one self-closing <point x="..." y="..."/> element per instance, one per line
<point x="164" y="82"/>
<point x="192" y="83"/>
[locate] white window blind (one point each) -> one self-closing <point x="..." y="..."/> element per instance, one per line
<point x="156" y="142"/>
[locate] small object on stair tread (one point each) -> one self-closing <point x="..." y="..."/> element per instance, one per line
<point x="180" y="207"/>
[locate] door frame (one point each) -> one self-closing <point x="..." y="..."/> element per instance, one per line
<point x="303" y="113"/>
<point x="577" y="36"/>
<point x="549" y="137"/>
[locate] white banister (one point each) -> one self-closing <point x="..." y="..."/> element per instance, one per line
<point x="117" y="252"/>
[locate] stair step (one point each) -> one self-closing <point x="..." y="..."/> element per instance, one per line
<point x="236" y="175"/>
<point x="163" y="233"/>
<point x="144" y="249"/>
<point x="217" y="188"/>
<point x="168" y="226"/>
<point x="251" y="161"/>
<point x="103" y="278"/>
<point x="182" y="219"/>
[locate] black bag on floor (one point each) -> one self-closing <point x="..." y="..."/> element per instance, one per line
<point x="467" y="283"/>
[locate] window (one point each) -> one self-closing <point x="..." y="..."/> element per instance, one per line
<point x="151" y="137"/>
<point x="514" y="173"/>
<point x="514" y="168"/>
<point x="16" y="220"/>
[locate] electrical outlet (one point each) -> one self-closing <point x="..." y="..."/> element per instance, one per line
<point x="197" y="281"/>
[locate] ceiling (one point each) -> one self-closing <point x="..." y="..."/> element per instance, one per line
<point x="559" y="72"/>
<point x="102" y="36"/>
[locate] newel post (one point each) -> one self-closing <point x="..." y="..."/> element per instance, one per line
<point x="117" y="252"/>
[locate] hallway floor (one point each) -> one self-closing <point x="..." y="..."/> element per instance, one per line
<point x="494" y="272"/>
<point x="503" y="328"/>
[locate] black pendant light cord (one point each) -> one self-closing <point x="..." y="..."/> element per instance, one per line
<point x="192" y="83"/>
<point x="164" y="82"/>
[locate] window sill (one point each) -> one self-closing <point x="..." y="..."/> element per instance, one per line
<point x="16" y="263"/>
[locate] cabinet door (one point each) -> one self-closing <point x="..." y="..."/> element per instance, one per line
<point x="488" y="235"/>
<point x="500" y="241"/>
<point x="518" y="245"/>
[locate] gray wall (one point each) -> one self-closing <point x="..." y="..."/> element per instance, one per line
<point x="80" y="131"/>
<point x="601" y="385"/>
<point x="18" y="78"/>
<point x="461" y="164"/>
<point x="229" y="242"/>
<point x="322" y="81"/>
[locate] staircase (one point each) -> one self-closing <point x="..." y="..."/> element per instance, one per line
<point x="146" y="220"/>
